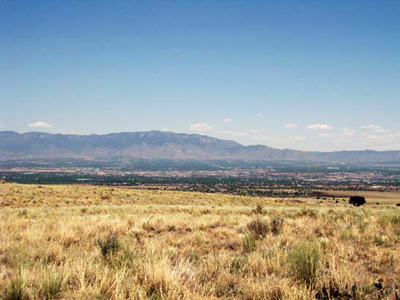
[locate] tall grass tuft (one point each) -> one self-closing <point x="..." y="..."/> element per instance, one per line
<point x="304" y="261"/>
<point x="249" y="243"/>
<point x="53" y="288"/>
<point x="16" y="290"/>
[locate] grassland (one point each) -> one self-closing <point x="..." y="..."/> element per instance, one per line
<point x="86" y="242"/>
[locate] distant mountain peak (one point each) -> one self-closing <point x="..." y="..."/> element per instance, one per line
<point x="164" y="145"/>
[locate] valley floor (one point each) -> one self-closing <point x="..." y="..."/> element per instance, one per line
<point x="87" y="242"/>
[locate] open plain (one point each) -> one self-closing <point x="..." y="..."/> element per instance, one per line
<point x="88" y="242"/>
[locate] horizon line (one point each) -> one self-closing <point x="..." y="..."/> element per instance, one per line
<point x="195" y="134"/>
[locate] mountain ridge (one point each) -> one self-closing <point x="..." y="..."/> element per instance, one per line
<point x="165" y="145"/>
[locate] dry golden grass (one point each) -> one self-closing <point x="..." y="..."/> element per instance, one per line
<point x="373" y="197"/>
<point x="85" y="242"/>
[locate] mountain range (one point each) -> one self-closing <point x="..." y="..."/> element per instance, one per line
<point x="165" y="145"/>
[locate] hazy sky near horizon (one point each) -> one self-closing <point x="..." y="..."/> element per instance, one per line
<point x="309" y="75"/>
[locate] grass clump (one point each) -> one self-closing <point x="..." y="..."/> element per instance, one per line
<point x="16" y="290"/>
<point x="258" y="209"/>
<point x="249" y="243"/>
<point x="258" y="228"/>
<point x="276" y="226"/>
<point x="53" y="288"/>
<point x="304" y="261"/>
<point x="238" y="264"/>
<point x="382" y="240"/>
<point x="23" y="213"/>
<point x="146" y="225"/>
<point x="390" y="218"/>
<point x="109" y="245"/>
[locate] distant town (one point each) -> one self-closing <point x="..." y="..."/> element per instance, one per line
<point x="276" y="179"/>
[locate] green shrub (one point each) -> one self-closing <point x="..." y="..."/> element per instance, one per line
<point x="304" y="261"/>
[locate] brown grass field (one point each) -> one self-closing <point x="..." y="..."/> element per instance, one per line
<point x="87" y="242"/>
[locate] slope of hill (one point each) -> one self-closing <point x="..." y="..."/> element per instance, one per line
<point x="164" y="145"/>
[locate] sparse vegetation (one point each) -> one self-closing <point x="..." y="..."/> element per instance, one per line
<point x="71" y="244"/>
<point x="16" y="290"/>
<point x="109" y="245"/>
<point x="52" y="287"/>
<point x="258" y="209"/>
<point x="304" y="261"/>
<point x="249" y="243"/>
<point x="276" y="226"/>
<point x="258" y="228"/>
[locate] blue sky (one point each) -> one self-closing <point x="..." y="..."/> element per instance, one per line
<point x="311" y="75"/>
